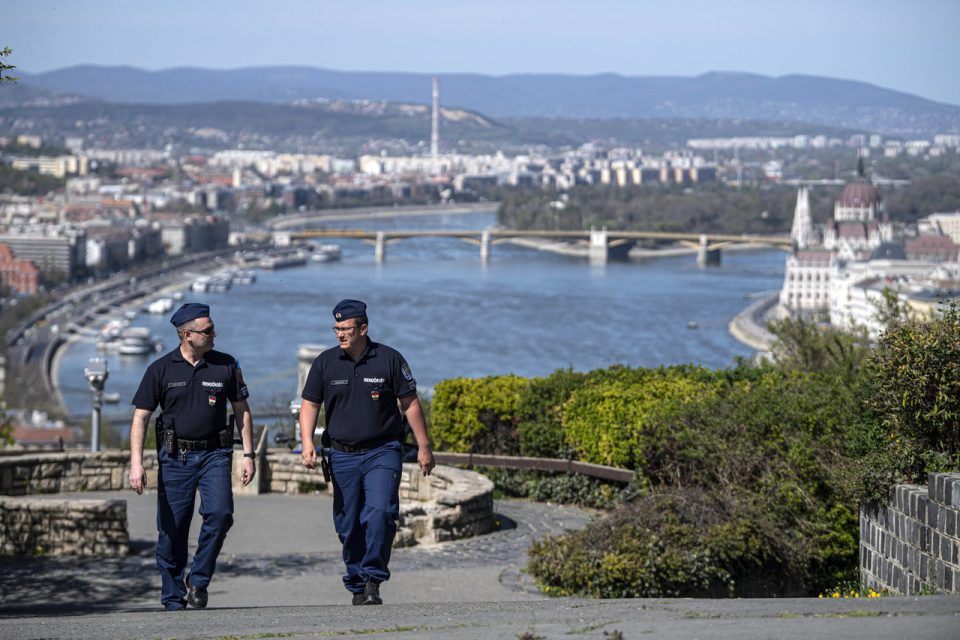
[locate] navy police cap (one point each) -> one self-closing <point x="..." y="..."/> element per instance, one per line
<point x="190" y="311"/>
<point x="347" y="309"/>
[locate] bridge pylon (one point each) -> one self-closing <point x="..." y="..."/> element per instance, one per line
<point x="380" y="250"/>
<point x="485" y="246"/>
<point x="707" y="257"/>
<point x="599" y="252"/>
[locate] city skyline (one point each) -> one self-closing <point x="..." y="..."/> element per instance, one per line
<point x="908" y="48"/>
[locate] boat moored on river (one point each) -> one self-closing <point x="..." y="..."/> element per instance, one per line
<point x="326" y="253"/>
<point x="138" y="341"/>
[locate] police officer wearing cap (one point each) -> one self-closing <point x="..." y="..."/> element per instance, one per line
<point x="192" y="385"/>
<point x="360" y="383"/>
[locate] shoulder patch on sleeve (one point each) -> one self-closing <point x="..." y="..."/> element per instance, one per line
<point x="405" y="370"/>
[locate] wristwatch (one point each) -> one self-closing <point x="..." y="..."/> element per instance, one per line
<point x="252" y="456"/>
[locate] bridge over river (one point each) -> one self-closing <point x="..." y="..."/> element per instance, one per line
<point x="599" y="245"/>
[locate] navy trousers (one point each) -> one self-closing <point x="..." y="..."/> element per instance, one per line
<point x="366" y="507"/>
<point x="181" y="476"/>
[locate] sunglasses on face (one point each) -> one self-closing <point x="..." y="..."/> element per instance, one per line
<point x="207" y="332"/>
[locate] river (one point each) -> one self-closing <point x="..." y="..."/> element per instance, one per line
<point x="525" y="312"/>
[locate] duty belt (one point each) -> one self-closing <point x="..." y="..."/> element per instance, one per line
<point x="200" y="445"/>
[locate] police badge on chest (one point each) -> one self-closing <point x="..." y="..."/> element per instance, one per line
<point x="212" y="400"/>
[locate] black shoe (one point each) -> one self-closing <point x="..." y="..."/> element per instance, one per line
<point x="358" y="598"/>
<point x="371" y="593"/>
<point x="196" y="596"/>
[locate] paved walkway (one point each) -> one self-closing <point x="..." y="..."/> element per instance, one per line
<point x="283" y="550"/>
<point x="279" y="576"/>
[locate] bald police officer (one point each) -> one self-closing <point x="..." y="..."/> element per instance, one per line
<point x="191" y="385"/>
<point x="359" y="383"/>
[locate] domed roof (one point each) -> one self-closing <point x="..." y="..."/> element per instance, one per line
<point x="888" y="251"/>
<point x="859" y="194"/>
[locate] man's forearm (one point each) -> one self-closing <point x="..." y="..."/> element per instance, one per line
<point x="418" y="424"/>
<point x="246" y="430"/>
<point x="308" y="421"/>
<point x="138" y="432"/>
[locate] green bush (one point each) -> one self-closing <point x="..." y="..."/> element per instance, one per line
<point x="769" y="449"/>
<point x="477" y="415"/>
<point x="540" y="412"/>
<point x="611" y="419"/>
<point x="665" y="544"/>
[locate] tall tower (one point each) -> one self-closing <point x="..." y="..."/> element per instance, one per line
<point x="435" y="120"/>
<point x="802" y="231"/>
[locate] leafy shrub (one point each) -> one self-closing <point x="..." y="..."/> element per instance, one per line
<point x="610" y="420"/>
<point x="477" y="415"/>
<point x="540" y="412"/>
<point x="770" y="451"/>
<point x="665" y="544"/>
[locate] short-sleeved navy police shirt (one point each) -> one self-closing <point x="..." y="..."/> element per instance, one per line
<point x="360" y="398"/>
<point x="193" y="399"/>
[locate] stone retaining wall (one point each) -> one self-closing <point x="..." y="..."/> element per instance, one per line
<point x="449" y="504"/>
<point x="32" y="526"/>
<point x="284" y="473"/>
<point x="911" y="545"/>
<point x="30" y="474"/>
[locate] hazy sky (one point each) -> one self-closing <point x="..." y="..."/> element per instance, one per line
<point x="907" y="45"/>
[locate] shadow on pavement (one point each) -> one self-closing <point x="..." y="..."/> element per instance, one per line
<point x="74" y="585"/>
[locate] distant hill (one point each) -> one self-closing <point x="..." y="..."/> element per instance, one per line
<point x="716" y="95"/>
<point x="347" y="126"/>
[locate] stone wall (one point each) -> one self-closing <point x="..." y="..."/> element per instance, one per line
<point x="911" y="545"/>
<point x="284" y="473"/>
<point x="448" y="504"/>
<point x="32" y="526"/>
<point x="30" y="474"/>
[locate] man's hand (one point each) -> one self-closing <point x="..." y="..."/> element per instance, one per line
<point x="309" y="457"/>
<point x="425" y="460"/>
<point x="138" y="478"/>
<point x="247" y="470"/>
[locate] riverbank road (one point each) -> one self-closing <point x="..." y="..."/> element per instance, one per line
<point x="279" y="576"/>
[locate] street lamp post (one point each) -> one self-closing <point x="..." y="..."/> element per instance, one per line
<point x="96" y="373"/>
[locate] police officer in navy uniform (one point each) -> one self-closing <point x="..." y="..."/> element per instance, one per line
<point x="360" y="383"/>
<point x="191" y="385"/>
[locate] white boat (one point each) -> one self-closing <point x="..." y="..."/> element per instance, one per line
<point x="326" y="253"/>
<point x="220" y="283"/>
<point x="245" y="276"/>
<point x="200" y="284"/>
<point x="283" y="261"/>
<point x="160" y="305"/>
<point x="112" y="330"/>
<point x="136" y="341"/>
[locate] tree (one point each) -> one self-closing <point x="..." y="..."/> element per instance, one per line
<point x="915" y="379"/>
<point x="6" y="51"/>
<point x="803" y="345"/>
<point x="890" y="309"/>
